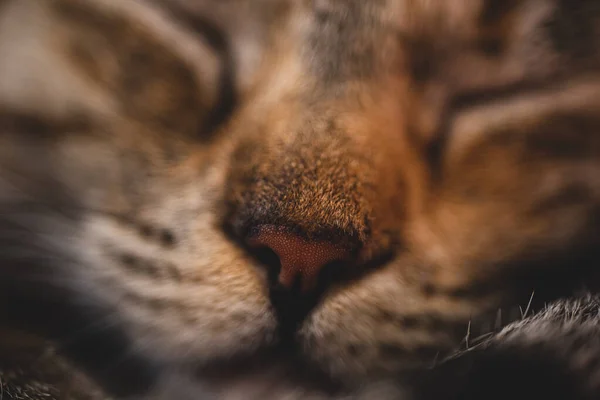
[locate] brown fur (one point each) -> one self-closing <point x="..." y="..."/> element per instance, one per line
<point x="451" y="145"/>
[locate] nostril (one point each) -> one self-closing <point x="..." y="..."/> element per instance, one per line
<point x="270" y="260"/>
<point x="300" y="268"/>
<point x="300" y="260"/>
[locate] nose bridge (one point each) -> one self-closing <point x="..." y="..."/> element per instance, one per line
<point x="311" y="176"/>
<point x="317" y="199"/>
<point x="325" y="167"/>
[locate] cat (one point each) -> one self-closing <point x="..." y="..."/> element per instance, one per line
<point x="279" y="196"/>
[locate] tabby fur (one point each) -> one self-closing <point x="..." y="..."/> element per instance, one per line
<point x="450" y="148"/>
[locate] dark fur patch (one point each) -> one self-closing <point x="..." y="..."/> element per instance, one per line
<point x="40" y="127"/>
<point x="573" y="29"/>
<point x="495" y="25"/>
<point x="495" y="10"/>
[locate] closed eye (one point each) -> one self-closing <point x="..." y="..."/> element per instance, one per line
<point x="227" y="96"/>
<point x="518" y="108"/>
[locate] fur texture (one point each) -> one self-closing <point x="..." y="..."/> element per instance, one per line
<point x="451" y="149"/>
<point x="553" y="354"/>
<point x="550" y="354"/>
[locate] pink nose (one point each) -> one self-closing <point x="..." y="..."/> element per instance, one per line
<point x="300" y="258"/>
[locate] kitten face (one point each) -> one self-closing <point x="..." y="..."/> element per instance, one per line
<point x="399" y="167"/>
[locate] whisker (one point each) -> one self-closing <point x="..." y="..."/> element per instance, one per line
<point x="433" y="364"/>
<point x="468" y="334"/>
<point x="529" y="304"/>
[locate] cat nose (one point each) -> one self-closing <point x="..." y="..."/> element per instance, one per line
<point x="301" y="260"/>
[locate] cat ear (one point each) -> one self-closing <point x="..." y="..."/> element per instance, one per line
<point x="109" y="59"/>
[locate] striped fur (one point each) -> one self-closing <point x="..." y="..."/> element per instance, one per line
<point x="451" y="147"/>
